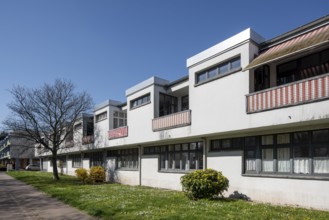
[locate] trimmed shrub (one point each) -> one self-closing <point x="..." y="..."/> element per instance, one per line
<point x="97" y="174"/>
<point x="204" y="184"/>
<point x="82" y="174"/>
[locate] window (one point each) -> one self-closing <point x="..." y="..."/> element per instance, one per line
<point x="152" y="150"/>
<point x="250" y="153"/>
<point x="140" y="101"/>
<point x="167" y="104"/>
<point x="61" y="160"/>
<point x="76" y="160"/>
<point x="185" y="103"/>
<point x="181" y="157"/>
<point x="321" y="151"/>
<point x="95" y="158"/>
<point x="301" y="152"/>
<point x="262" y="78"/>
<point x="267" y="153"/>
<point x="101" y="116"/>
<point x="219" y="70"/>
<point x="119" y="119"/>
<point x="303" y="68"/>
<point x="283" y="153"/>
<point x="227" y="144"/>
<point x="297" y="153"/>
<point x="126" y="158"/>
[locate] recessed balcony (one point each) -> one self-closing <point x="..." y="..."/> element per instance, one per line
<point x="179" y="119"/>
<point x="292" y="94"/>
<point x="118" y="133"/>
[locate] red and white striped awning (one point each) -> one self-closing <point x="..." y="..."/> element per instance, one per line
<point x="309" y="40"/>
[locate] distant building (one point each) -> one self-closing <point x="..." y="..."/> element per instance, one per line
<point x="256" y="110"/>
<point x="16" y="150"/>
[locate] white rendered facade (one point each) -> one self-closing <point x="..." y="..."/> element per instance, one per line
<point x="269" y="135"/>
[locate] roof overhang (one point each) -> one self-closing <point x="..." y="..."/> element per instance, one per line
<point x="304" y="42"/>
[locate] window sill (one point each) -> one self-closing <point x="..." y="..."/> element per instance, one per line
<point x="176" y="171"/>
<point x="218" y="77"/>
<point x="127" y="169"/>
<point x="324" y="177"/>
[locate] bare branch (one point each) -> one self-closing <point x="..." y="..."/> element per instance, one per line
<point x="47" y="114"/>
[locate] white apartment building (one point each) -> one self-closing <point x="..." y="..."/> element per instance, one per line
<point x="256" y="110"/>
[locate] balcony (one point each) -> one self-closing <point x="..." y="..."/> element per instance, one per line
<point x="179" y="119"/>
<point x="118" y="133"/>
<point x="296" y="93"/>
<point x="69" y="143"/>
<point x="88" y="139"/>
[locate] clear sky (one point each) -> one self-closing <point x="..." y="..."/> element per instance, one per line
<point x="106" y="46"/>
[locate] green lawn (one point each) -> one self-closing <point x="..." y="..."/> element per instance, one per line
<point x="114" y="201"/>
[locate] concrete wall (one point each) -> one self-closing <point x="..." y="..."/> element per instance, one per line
<point x="152" y="177"/>
<point x="301" y="192"/>
<point x="130" y="177"/>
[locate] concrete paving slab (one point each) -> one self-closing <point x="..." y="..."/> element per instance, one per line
<point x="21" y="201"/>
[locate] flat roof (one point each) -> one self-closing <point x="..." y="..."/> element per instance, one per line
<point x="222" y="47"/>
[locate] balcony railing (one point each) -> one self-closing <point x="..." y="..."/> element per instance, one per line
<point x="118" y="132"/>
<point x="296" y="93"/>
<point x="178" y="119"/>
<point x="88" y="139"/>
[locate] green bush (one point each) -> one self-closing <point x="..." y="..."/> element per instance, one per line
<point x="97" y="174"/>
<point x="204" y="184"/>
<point x="82" y="174"/>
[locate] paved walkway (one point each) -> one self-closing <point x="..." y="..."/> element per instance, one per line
<point x="21" y="201"/>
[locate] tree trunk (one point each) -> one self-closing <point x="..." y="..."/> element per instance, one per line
<point x="55" y="170"/>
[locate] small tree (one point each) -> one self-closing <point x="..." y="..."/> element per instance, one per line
<point x="47" y="114"/>
<point x="204" y="184"/>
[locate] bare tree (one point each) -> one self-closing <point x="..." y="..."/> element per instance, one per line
<point x="47" y="114"/>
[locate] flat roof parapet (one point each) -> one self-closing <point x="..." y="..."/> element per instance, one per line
<point x="150" y="81"/>
<point x="107" y="103"/>
<point x="225" y="46"/>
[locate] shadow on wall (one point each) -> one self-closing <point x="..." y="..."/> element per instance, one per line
<point x="237" y="195"/>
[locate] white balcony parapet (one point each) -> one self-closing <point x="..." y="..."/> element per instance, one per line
<point x="296" y="93"/>
<point x="118" y="132"/>
<point x="178" y="119"/>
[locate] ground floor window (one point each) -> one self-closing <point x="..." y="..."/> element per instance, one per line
<point x="125" y="158"/>
<point x="179" y="157"/>
<point x="295" y="153"/>
<point x="76" y="160"/>
<point x="95" y="158"/>
<point x="61" y="161"/>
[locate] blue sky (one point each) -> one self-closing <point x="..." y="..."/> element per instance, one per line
<point x="105" y="47"/>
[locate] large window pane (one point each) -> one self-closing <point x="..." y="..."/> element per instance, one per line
<point x="283" y="139"/>
<point x="283" y="155"/>
<point x="267" y="140"/>
<point x="163" y="159"/>
<point x="177" y="161"/>
<point x="301" y="165"/>
<point x="321" y="136"/>
<point x="192" y="160"/>
<point x="235" y="64"/>
<point x="267" y="160"/>
<point x="184" y="160"/>
<point x="250" y="160"/>
<point x="212" y="73"/>
<point x="321" y="165"/>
